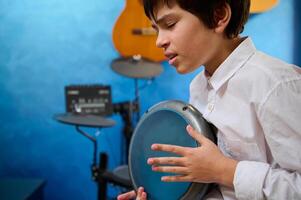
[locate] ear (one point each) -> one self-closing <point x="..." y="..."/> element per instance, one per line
<point x="222" y="17"/>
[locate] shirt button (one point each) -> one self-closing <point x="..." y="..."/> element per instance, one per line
<point x="210" y="106"/>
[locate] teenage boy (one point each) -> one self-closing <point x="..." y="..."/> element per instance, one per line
<point x="254" y="100"/>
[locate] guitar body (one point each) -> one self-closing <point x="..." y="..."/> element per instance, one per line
<point x="133" y="35"/>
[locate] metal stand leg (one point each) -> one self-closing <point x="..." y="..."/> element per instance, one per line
<point x="99" y="172"/>
<point x="101" y="180"/>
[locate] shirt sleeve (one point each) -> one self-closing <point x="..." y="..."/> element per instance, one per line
<point x="279" y="116"/>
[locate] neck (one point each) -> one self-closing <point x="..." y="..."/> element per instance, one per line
<point x="223" y="50"/>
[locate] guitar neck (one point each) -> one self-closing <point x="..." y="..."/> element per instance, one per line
<point x="144" y="31"/>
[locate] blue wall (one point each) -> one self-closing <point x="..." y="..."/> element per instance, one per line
<point x="45" y="45"/>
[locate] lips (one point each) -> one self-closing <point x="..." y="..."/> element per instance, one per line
<point x="171" y="57"/>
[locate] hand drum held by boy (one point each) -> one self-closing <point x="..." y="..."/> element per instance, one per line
<point x="165" y="123"/>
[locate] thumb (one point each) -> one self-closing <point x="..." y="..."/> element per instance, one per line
<point x="200" y="138"/>
<point x="127" y="196"/>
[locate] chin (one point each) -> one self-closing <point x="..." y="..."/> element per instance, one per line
<point x="183" y="69"/>
<point x="182" y="72"/>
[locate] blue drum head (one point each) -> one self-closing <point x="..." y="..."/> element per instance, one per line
<point x="164" y="123"/>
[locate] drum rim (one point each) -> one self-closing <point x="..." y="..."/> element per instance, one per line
<point x="193" y="117"/>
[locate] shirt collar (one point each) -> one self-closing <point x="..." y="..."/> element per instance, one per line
<point x="232" y="64"/>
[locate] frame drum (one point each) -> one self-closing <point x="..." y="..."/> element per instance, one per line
<point x="165" y="123"/>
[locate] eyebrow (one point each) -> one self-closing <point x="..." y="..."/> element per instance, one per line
<point x="162" y="19"/>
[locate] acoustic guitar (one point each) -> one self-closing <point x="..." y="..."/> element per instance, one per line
<point x="133" y="34"/>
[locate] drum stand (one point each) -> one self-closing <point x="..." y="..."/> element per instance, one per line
<point x="99" y="171"/>
<point x="100" y="174"/>
<point x="127" y="110"/>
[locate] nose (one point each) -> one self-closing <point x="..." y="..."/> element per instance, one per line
<point x="162" y="40"/>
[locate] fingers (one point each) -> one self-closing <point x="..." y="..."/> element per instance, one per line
<point x="127" y="196"/>
<point x="170" y="169"/>
<point x="141" y="195"/>
<point x="166" y="161"/>
<point x="169" y="148"/>
<point x="200" y="138"/>
<point x="178" y="178"/>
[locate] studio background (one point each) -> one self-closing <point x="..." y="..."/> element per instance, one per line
<point x="46" y="45"/>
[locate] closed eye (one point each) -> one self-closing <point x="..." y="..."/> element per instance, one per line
<point x="171" y="25"/>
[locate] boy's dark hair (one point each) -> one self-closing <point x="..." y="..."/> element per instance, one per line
<point x="206" y="11"/>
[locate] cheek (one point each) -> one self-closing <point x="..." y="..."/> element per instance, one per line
<point x="199" y="49"/>
<point x="188" y="42"/>
<point x="182" y="39"/>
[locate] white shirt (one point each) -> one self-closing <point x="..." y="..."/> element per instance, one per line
<point x="255" y="102"/>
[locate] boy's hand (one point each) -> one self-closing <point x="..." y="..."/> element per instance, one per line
<point x="205" y="164"/>
<point x="141" y="195"/>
